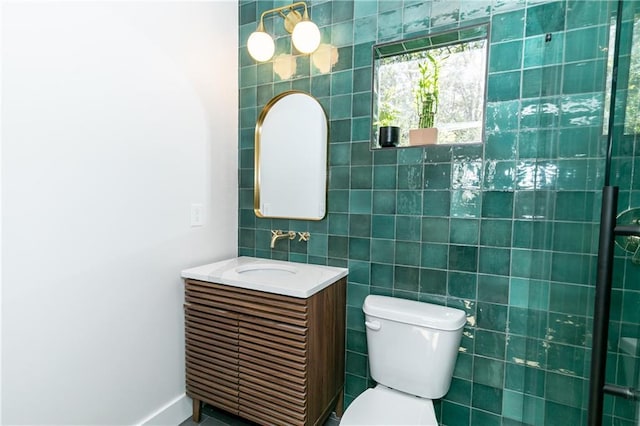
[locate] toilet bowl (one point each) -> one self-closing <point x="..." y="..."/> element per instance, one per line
<point x="412" y="348"/>
<point x="385" y="406"/>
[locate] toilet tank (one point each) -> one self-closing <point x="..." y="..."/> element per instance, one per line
<point x="412" y="345"/>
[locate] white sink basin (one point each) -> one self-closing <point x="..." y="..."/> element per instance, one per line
<point x="273" y="276"/>
<point x="275" y="270"/>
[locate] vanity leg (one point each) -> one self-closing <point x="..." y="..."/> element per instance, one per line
<point x="340" y="404"/>
<point x="196" y="410"/>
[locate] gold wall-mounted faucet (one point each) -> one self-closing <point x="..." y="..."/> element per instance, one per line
<point x="278" y="235"/>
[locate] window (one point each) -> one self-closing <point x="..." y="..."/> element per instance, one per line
<point x="436" y="81"/>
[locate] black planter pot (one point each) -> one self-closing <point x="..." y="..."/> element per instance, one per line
<point x="388" y="136"/>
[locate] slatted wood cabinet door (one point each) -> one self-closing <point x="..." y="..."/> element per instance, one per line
<point x="272" y="359"/>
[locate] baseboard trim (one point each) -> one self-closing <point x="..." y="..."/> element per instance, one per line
<point x="172" y="414"/>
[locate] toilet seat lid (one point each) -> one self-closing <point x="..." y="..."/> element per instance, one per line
<point x="384" y="406"/>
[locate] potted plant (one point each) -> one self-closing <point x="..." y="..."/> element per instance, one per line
<point x="388" y="134"/>
<point x="426" y="97"/>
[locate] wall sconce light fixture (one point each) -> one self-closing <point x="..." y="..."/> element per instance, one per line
<point x="305" y="35"/>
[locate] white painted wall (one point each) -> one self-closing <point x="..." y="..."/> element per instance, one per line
<point x="116" y="116"/>
<point x="1" y="120"/>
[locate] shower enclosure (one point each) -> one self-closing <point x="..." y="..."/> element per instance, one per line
<point x="622" y="230"/>
<point x="576" y="346"/>
<point x="614" y="379"/>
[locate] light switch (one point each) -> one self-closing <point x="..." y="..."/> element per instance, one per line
<point x="197" y="215"/>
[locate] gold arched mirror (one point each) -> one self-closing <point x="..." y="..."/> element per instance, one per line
<point x="291" y="158"/>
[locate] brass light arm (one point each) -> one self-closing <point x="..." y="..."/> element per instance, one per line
<point x="290" y="19"/>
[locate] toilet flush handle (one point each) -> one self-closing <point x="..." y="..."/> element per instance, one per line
<point x="373" y="325"/>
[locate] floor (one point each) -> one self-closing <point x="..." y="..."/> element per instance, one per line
<point x="211" y="416"/>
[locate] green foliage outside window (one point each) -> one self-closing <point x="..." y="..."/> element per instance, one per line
<point x="632" y="113"/>
<point x="426" y="94"/>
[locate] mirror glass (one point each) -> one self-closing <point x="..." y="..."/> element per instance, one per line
<point x="430" y="89"/>
<point x="291" y="158"/>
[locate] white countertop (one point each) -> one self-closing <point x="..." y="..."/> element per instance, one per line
<point x="272" y="276"/>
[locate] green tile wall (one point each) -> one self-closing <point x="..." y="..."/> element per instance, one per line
<point x="506" y="231"/>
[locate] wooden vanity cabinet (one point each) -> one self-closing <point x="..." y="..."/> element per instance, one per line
<point x="271" y="359"/>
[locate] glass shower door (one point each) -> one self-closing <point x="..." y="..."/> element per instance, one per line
<point x="623" y="366"/>
<point x="560" y="172"/>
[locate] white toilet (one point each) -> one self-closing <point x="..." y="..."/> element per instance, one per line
<point x="412" y="351"/>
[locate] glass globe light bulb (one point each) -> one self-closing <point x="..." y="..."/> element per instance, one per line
<point x="306" y="37"/>
<point x="261" y="46"/>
